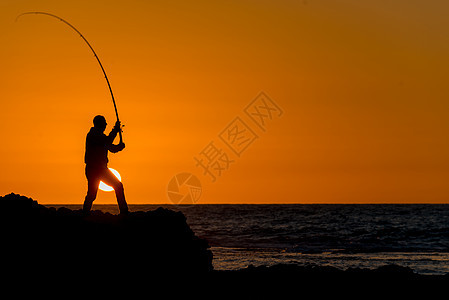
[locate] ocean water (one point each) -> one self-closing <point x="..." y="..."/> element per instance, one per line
<point x="343" y="236"/>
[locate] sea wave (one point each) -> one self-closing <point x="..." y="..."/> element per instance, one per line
<point x="415" y="235"/>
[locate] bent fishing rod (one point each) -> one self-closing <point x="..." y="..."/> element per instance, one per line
<point x="92" y="49"/>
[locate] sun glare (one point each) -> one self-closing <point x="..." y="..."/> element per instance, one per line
<point x="104" y="187"/>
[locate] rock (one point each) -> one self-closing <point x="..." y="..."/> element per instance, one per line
<point x="34" y="236"/>
<point x="394" y="270"/>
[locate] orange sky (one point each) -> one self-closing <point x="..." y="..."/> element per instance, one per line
<point x="362" y="86"/>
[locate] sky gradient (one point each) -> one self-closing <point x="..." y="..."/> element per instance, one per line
<point x="362" y="86"/>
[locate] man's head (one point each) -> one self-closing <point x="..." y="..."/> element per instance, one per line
<point x="100" y="123"/>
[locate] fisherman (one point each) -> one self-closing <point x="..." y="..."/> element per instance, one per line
<point x="96" y="158"/>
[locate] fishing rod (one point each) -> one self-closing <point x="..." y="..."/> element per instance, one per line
<point x="88" y="44"/>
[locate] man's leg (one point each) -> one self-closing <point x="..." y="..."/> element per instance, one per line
<point x="92" y="188"/>
<point x="109" y="178"/>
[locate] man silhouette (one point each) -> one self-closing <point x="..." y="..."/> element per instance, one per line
<point x="96" y="158"/>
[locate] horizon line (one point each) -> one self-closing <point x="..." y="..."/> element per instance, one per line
<point x="314" y="203"/>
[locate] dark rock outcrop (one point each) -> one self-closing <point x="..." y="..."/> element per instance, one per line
<point x="34" y="236"/>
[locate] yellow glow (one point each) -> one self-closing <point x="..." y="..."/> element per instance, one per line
<point x="104" y="187"/>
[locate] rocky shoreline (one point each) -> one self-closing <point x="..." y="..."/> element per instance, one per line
<point x="144" y="244"/>
<point x="35" y="236"/>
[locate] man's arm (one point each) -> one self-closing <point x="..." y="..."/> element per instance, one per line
<point x="110" y="138"/>
<point x="116" y="148"/>
<point x="111" y="147"/>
